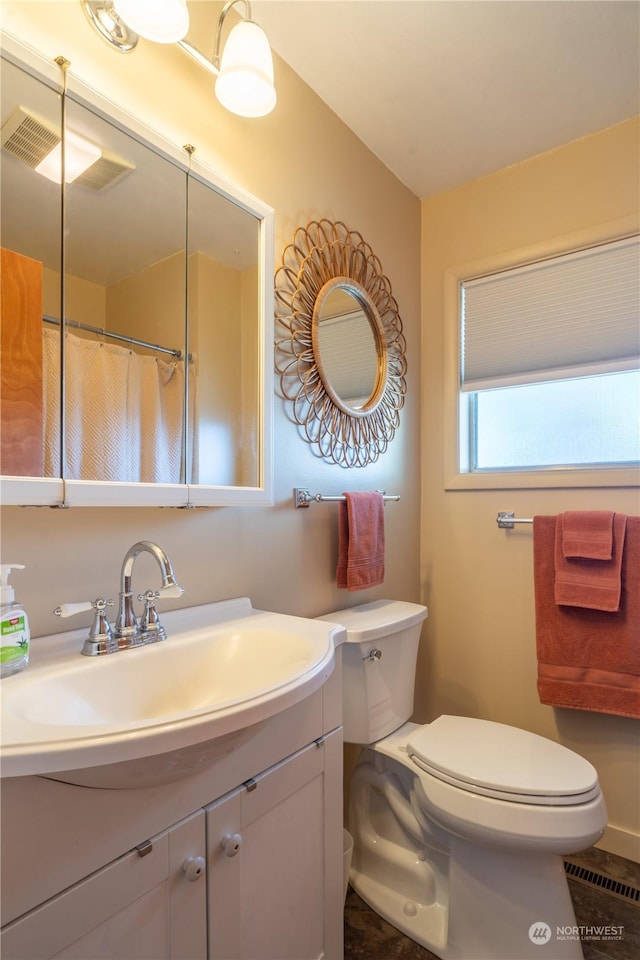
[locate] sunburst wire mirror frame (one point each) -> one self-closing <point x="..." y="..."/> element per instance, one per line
<point x="323" y="256"/>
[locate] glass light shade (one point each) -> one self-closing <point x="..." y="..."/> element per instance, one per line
<point x="245" y="83"/>
<point x="79" y="155"/>
<point x="163" y="21"/>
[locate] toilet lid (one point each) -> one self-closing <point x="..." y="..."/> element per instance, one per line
<point x="497" y="760"/>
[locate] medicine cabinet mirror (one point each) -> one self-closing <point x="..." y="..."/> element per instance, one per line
<point x="340" y="350"/>
<point x="156" y="387"/>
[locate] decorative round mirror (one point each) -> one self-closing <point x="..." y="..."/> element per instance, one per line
<point x="340" y="351"/>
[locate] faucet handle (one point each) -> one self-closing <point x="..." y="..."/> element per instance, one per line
<point x="150" y="626"/>
<point x="70" y="609"/>
<point x="100" y="639"/>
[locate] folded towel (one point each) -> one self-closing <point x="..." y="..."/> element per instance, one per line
<point x="360" y="541"/>
<point x="587" y="659"/>
<point x="594" y="584"/>
<point x="587" y="534"/>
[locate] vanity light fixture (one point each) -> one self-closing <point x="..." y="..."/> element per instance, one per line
<point x="121" y="22"/>
<point x="79" y="155"/>
<point x="163" y="21"/>
<point x="245" y="82"/>
<point x="243" y="67"/>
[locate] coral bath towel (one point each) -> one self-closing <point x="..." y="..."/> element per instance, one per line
<point x="588" y="659"/>
<point x="360" y="541"/>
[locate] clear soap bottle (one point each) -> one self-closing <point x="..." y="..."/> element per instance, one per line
<point x="14" y="626"/>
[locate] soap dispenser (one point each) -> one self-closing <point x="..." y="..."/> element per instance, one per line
<point x="14" y="626"/>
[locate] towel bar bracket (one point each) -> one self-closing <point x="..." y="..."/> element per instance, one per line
<point x="506" y="519"/>
<point x="301" y="497"/>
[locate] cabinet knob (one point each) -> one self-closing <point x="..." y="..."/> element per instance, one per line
<point x="231" y="844"/>
<point x="194" y="867"/>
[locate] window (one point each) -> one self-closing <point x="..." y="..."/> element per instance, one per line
<point x="550" y="363"/>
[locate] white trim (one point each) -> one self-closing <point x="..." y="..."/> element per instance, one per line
<point x="31" y="491"/>
<point x="621" y="842"/>
<point x="96" y="493"/>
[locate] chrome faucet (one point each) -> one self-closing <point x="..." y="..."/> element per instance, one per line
<point x="128" y="630"/>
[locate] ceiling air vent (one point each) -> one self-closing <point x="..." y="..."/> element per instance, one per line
<point x="104" y="173"/>
<point x="28" y="137"/>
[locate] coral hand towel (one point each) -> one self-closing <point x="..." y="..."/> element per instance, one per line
<point x="594" y="584"/>
<point x="360" y="541"/>
<point x="587" y="534"/>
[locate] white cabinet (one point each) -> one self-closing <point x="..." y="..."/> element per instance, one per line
<point x="147" y="904"/>
<point x="78" y="883"/>
<point x="266" y="862"/>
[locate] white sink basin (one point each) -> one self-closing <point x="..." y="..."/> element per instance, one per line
<point x="223" y="668"/>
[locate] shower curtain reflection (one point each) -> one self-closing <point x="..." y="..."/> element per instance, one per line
<point x="123" y="410"/>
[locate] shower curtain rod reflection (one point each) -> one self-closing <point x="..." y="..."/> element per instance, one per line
<point x="177" y="354"/>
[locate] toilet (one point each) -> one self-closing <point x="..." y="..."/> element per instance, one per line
<point x="459" y="825"/>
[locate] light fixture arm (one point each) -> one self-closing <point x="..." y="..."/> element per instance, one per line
<point x="200" y="58"/>
<point x="213" y="66"/>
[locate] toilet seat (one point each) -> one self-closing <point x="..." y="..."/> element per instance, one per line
<point x="495" y="760"/>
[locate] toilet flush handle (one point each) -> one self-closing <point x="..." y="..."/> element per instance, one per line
<point x="374" y="654"/>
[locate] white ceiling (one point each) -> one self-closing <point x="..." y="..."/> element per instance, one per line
<point x="445" y="91"/>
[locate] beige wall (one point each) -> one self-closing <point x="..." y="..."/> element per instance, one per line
<point x="478" y="650"/>
<point x="149" y="305"/>
<point x="305" y="164"/>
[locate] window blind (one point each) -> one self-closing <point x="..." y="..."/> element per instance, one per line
<point x="571" y="316"/>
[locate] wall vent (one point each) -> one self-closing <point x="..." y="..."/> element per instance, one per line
<point x="627" y="891"/>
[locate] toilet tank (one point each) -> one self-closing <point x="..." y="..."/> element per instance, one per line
<point x="378" y="666"/>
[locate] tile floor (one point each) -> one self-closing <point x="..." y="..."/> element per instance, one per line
<point x="369" y="937"/>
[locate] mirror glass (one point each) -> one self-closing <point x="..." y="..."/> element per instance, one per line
<point x="160" y="369"/>
<point x="30" y="233"/>
<point x="125" y="274"/>
<point x="347" y="345"/>
<point x="224" y="342"/>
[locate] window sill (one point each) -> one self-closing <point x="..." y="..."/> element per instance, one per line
<point x="546" y="479"/>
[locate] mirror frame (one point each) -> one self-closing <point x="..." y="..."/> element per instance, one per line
<point x="58" y="492"/>
<point x="322" y="257"/>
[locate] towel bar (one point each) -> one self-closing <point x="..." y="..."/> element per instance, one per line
<point x="302" y="497"/>
<point x="506" y="520"/>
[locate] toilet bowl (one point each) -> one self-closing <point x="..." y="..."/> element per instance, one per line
<point x="459" y="825"/>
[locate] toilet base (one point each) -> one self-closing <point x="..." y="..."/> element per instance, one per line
<point x="497" y="906"/>
<point x="460" y="898"/>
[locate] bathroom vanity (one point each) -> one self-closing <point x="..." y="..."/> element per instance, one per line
<point x="230" y="847"/>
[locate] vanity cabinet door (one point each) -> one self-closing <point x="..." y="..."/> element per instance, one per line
<point x="150" y="906"/>
<point x="271" y="868"/>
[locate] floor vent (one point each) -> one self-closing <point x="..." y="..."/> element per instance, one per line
<point x="625" y="890"/>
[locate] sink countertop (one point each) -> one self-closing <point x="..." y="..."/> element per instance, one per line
<point x="223" y="667"/>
